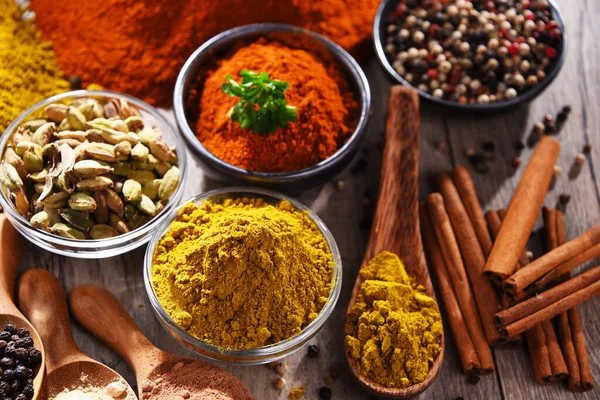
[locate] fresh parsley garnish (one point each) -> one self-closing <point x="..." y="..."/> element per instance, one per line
<point x="262" y="107"/>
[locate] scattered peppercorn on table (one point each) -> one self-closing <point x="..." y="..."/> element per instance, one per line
<point x="495" y="149"/>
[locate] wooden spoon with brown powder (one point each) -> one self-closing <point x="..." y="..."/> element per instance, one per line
<point x="43" y="301"/>
<point x="10" y="257"/>
<point x="160" y="375"/>
<point x="396" y="222"/>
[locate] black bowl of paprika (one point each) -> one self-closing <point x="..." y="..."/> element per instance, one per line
<point x="327" y="88"/>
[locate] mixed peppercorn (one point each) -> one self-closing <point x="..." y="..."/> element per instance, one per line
<point x="473" y="51"/>
<point x="19" y="359"/>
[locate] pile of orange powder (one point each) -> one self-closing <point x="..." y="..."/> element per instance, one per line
<point x="139" y="47"/>
<point x="325" y="105"/>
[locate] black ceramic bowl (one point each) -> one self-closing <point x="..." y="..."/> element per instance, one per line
<point x="386" y="7"/>
<point x="296" y="181"/>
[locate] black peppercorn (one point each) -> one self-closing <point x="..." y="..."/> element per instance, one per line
<point x="20" y="343"/>
<point x="3" y="393"/>
<point x="313" y="351"/>
<point x="324" y="393"/>
<point x="23" y="332"/>
<point x="16" y="386"/>
<point x="21" y="397"/>
<point x="28" y="390"/>
<point x="4" y="386"/>
<point x="473" y="379"/>
<point x="566" y="109"/>
<point x="10" y="328"/>
<point x="7" y="363"/>
<point x="3" y="344"/>
<point x="14" y="338"/>
<point x="35" y="356"/>
<point x="10" y="351"/>
<point x="561" y="117"/>
<point x="27" y="342"/>
<point x="21" y="372"/>
<point x="8" y="375"/>
<point x="21" y="354"/>
<point x="5" y="335"/>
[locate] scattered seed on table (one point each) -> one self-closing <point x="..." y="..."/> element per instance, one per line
<point x="473" y="379"/>
<point x="519" y="145"/>
<point x="469" y="152"/>
<point x="75" y="82"/>
<point x="313" y="351"/>
<point x="324" y="393"/>
<point x="580" y="159"/>
<point x="539" y="127"/>
<point x="557" y="171"/>
<point x="516" y="162"/>
<point x="564" y="198"/>
<point x="279" y="383"/>
<point x="281" y="368"/>
<point x="566" y="109"/>
<point x="587" y="148"/>
<point x="340" y="186"/>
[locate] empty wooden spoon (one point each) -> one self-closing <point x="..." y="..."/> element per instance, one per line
<point x="10" y="256"/>
<point x="396" y="222"/>
<point x="160" y="375"/>
<point x="43" y="301"/>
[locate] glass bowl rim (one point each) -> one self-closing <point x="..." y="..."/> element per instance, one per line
<point x="86" y="245"/>
<point x="289" y="344"/>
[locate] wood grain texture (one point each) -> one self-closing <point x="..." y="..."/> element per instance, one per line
<point x="347" y="214"/>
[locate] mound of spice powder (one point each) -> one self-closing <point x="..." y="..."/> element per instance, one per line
<point x="139" y="47"/>
<point x="325" y="108"/>
<point x="29" y="71"/>
<point x="244" y="273"/>
<point x="394" y="330"/>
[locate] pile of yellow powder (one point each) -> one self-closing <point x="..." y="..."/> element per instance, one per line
<point x="29" y="71"/>
<point x="394" y="330"/>
<point x="244" y="273"/>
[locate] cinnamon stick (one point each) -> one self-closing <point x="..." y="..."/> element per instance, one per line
<point x="523" y="211"/>
<point x="557" y="361"/>
<point x="587" y="381"/>
<point x="547" y="298"/>
<point x="473" y="257"/>
<point x="458" y="276"/>
<point x="466" y="348"/>
<point x="555" y="236"/>
<point x="551" y="260"/>
<point x="468" y="195"/>
<point x="538" y="352"/>
<point x="564" y="268"/>
<point x="551" y="310"/>
<point x="580" y="376"/>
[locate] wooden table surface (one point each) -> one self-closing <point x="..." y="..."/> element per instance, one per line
<point x="346" y="214"/>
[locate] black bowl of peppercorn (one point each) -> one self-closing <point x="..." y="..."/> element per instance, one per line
<point x="471" y="56"/>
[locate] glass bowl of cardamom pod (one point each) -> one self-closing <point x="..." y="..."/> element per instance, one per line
<point x="90" y="174"/>
<point x="256" y="295"/>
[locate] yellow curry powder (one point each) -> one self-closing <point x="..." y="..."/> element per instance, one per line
<point x="29" y="71"/>
<point x="394" y="330"/>
<point x="244" y="273"/>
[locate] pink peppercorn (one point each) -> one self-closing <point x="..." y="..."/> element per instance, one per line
<point x="513" y="50"/>
<point x="550" y="52"/>
<point x="432" y="73"/>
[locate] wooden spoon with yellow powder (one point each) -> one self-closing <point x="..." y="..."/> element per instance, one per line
<point x="387" y="285"/>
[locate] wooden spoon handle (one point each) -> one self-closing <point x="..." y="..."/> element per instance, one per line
<point x="10" y="257"/>
<point x="104" y="316"/>
<point x="396" y="222"/>
<point x="44" y="303"/>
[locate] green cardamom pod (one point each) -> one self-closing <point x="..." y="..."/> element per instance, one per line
<point x="150" y="189"/>
<point x="49" y="151"/>
<point x="87" y="109"/>
<point x="33" y="160"/>
<point x="141" y="176"/>
<point x="101" y="212"/>
<point x="118" y="223"/>
<point x="121" y="169"/>
<point x="24" y="146"/>
<point x="82" y="202"/>
<point x="10" y="157"/>
<point x="77" y="135"/>
<point x="67" y="231"/>
<point x="56" y="200"/>
<point x="119" y="125"/>
<point x="95" y="184"/>
<point x="76" y="119"/>
<point x="102" y="231"/>
<point x="140" y="152"/>
<point x="39" y="177"/>
<point x="169" y="183"/>
<point x="149" y="164"/>
<point x="20" y="201"/>
<point x="56" y="112"/>
<point x="114" y="202"/>
<point x="161" y="151"/>
<point x="77" y="219"/>
<point x="101" y="151"/>
<point x="146" y="205"/>
<point x="148" y="134"/>
<point x="132" y="190"/>
<point x="123" y="149"/>
<point x="134" y="123"/>
<point x="40" y="220"/>
<point x="10" y="177"/>
<point x="34" y="124"/>
<point x="89" y="169"/>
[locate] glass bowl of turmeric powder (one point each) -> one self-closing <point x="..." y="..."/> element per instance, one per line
<point x="320" y="81"/>
<point x="243" y="275"/>
<point x="91" y="246"/>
